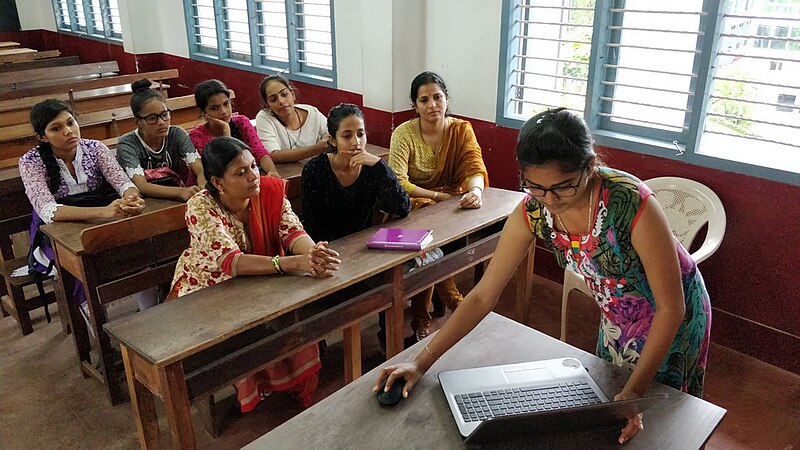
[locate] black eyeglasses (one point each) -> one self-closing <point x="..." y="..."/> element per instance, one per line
<point x="152" y="119"/>
<point x="560" y="191"/>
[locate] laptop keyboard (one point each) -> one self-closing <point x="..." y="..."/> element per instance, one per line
<point x="478" y="406"/>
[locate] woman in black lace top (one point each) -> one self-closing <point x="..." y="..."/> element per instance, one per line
<point x="342" y="189"/>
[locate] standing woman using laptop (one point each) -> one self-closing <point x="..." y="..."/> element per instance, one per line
<point x="436" y="157"/>
<point x="606" y="225"/>
<point x="289" y="130"/>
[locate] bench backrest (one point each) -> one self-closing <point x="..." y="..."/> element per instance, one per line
<point x="21" y="78"/>
<point x="14" y="112"/>
<point x="40" y="64"/>
<point x="84" y="85"/>
<point x="9" y="227"/>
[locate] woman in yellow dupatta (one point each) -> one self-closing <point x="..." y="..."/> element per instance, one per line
<point x="436" y="157"/>
<point x="242" y="224"/>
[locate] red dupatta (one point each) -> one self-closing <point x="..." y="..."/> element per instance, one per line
<point x="265" y="217"/>
<point x="297" y="372"/>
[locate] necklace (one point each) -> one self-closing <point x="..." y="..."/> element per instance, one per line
<point x="300" y="131"/>
<point x="444" y="129"/>
<point x="575" y="244"/>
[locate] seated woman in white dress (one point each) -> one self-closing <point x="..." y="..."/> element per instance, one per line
<point x="289" y="131"/>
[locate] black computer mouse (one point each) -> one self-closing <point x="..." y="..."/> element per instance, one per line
<point x="394" y="395"/>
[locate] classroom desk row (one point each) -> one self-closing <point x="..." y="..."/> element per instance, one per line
<point x="157" y="343"/>
<point x="155" y="240"/>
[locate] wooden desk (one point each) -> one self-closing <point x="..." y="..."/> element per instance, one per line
<point x="352" y="418"/>
<point x="10" y="55"/>
<point x="9" y="44"/>
<point x="207" y="318"/>
<point x="40" y="63"/>
<point x="94" y="269"/>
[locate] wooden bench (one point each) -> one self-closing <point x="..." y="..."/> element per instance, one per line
<point x="40" y="64"/>
<point x="46" y="54"/>
<point x="15" y="140"/>
<point x="16" y="303"/>
<point x="10" y="55"/>
<point x="15" y="112"/>
<point x="84" y="85"/>
<point x="54" y="75"/>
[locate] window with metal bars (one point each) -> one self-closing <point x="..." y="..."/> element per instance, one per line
<point x="290" y="36"/>
<point x="709" y="82"/>
<point x="97" y="18"/>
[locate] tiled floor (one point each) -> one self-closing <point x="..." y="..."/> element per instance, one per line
<point x="45" y="403"/>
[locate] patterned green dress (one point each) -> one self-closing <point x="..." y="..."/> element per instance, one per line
<point x="617" y="278"/>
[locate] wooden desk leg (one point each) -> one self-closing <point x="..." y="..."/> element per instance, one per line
<point x="143" y="404"/>
<point x="63" y="306"/>
<point x="97" y="320"/>
<point x="80" y="334"/>
<point x="395" y="320"/>
<point x="351" y="339"/>
<point x="176" y="403"/>
<point x="524" y="285"/>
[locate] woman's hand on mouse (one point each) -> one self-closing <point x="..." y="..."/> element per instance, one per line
<point x="410" y="371"/>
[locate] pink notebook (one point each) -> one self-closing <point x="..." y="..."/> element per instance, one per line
<point x="400" y="239"/>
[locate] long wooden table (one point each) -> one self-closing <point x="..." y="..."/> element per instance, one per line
<point x="352" y="418"/>
<point x="102" y="268"/>
<point x="156" y="343"/>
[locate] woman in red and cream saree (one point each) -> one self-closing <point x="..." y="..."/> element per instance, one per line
<point x="242" y="224"/>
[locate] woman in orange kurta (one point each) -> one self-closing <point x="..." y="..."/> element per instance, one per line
<point x="242" y="224"/>
<point x="436" y="157"/>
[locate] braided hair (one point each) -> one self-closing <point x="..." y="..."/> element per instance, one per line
<point x="42" y="114"/>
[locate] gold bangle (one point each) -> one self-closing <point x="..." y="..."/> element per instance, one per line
<point x="478" y="187"/>
<point x="276" y="264"/>
<point x="436" y="358"/>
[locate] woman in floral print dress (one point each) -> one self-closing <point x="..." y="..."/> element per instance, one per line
<point x="608" y="226"/>
<point x="242" y="224"/>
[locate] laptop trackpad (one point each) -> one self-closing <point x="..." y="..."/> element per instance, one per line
<point x="526" y="375"/>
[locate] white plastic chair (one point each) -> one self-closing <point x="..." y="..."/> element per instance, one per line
<point x="688" y="206"/>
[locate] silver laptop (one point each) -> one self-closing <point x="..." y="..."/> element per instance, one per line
<point x="524" y="398"/>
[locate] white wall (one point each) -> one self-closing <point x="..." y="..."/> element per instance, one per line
<point x="380" y="45"/>
<point x="154" y="26"/>
<point x="463" y="46"/>
<point x="36" y="15"/>
<point x="376" y="53"/>
<point x="347" y="18"/>
<point x="459" y="39"/>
